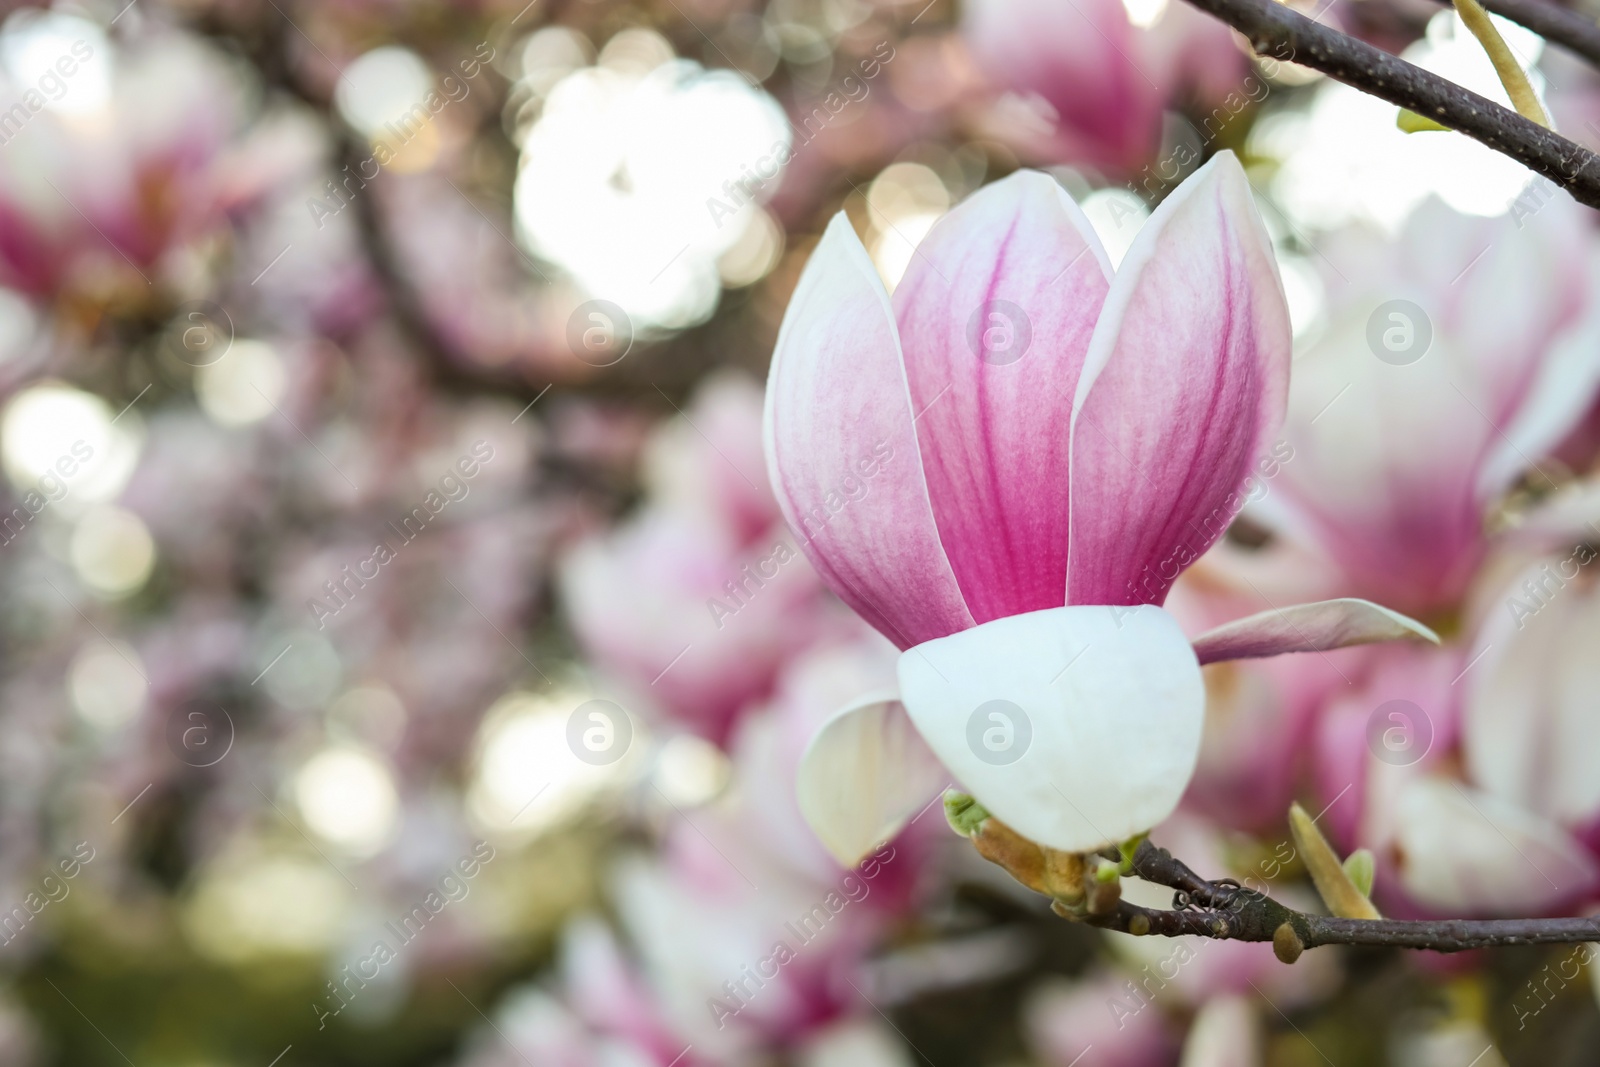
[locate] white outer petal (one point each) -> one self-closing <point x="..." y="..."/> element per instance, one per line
<point x="864" y="774"/>
<point x="1112" y="698"/>
<point x="1225" y="1033"/>
<point x="1560" y="395"/>
<point x="1529" y="728"/>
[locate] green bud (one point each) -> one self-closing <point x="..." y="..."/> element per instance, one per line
<point x="963" y="812"/>
<point x="1129" y="847"/>
<point x="1411" y="122"/>
<point x="1361" y="867"/>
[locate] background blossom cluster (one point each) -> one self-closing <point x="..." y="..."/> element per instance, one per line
<point x="276" y="275"/>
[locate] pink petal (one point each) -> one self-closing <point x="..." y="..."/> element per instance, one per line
<point x="1185" y="383"/>
<point x="842" y="449"/>
<point x="1085" y="60"/>
<point x="1019" y="263"/>
<point x="1318" y="627"/>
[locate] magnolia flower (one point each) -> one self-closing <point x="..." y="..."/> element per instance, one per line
<point x="128" y="177"/>
<point x="1104" y="80"/>
<point x="1225" y="1033"/>
<point x="1529" y="732"/>
<point x="700" y="599"/>
<point x="1044" y="445"/>
<point x="1457" y="767"/>
<point x="1455" y="358"/>
<point x="1524" y="824"/>
<point x="1077" y="59"/>
<point x="1063" y="1020"/>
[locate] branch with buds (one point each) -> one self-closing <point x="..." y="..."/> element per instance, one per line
<point x="1087" y="889"/>
<point x="1277" y="31"/>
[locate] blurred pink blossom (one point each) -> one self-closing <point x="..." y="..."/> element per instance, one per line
<point x="1402" y="452"/>
<point x="86" y="196"/>
<point x="1065" y="1022"/>
<point x="1103" y="80"/>
<point x="700" y="598"/>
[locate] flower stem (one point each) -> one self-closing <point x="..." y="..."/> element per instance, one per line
<point x="1510" y="72"/>
<point x="1556" y="24"/>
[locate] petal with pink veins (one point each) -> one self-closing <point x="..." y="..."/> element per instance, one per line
<point x="995" y="316"/>
<point x="864" y="775"/>
<point x="1318" y="627"/>
<point x="1185" y="383"/>
<point x="842" y="449"/>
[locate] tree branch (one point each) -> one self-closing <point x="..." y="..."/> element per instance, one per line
<point x="1277" y="32"/>
<point x="1556" y="24"/>
<point x="1227" y="911"/>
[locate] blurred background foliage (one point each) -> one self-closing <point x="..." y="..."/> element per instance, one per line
<point x="274" y="274"/>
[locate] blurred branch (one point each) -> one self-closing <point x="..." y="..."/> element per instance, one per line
<point x="1280" y="33"/>
<point x="382" y="256"/>
<point x="263" y="36"/>
<point x="1226" y="910"/>
<point x="1559" y="25"/>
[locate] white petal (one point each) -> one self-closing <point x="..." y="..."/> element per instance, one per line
<point x="864" y="774"/>
<point x="1529" y="728"/>
<point x="1463" y="850"/>
<point x="1318" y="627"/>
<point x="1225" y="1033"/>
<point x="1077" y="726"/>
<point x="1562" y="393"/>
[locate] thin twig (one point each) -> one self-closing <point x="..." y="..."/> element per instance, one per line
<point x="1225" y="911"/>
<point x="1280" y="33"/>
<point x="1558" y="25"/>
